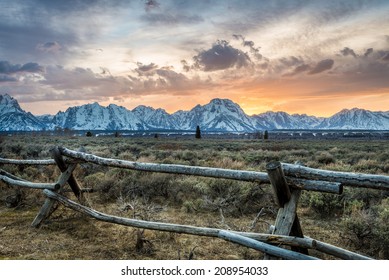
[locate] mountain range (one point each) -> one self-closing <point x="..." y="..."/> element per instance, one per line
<point x="221" y="115"/>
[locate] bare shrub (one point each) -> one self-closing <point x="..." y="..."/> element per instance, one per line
<point x="326" y="205"/>
<point x="368" y="228"/>
<point x="325" y="158"/>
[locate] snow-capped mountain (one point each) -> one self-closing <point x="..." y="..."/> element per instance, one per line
<point x="96" y="117"/>
<point x="218" y="115"/>
<point x="154" y="118"/>
<point x="282" y="120"/>
<point x="357" y="119"/>
<point x="13" y="118"/>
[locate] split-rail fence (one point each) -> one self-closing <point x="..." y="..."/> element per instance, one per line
<point x="287" y="181"/>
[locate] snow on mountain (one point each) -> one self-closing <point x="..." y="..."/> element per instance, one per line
<point x="9" y="105"/>
<point x="13" y="118"/>
<point x="282" y="120"/>
<point x="218" y="115"/>
<point x="96" y="117"/>
<point x="357" y="119"/>
<point x="154" y="118"/>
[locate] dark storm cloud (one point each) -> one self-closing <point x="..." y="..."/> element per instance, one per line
<point x="28" y="26"/>
<point x="31" y="67"/>
<point x="152" y="77"/>
<point x="8" y="68"/>
<point x="368" y="52"/>
<point x="7" y="78"/>
<point x="322" y="66"/>
<point x="250" y="44"/>
<point x="347" y="51"/>
<point x="185" y="65"/>
<point x="385" y="55"/>
<point x="299" y="69"/>
<point x="164" y="79"/>
<point x="291" y="61"/>
<point x="221" y="56"/>
<point x="146" y="70"/>
<point x="173" y="79"/>
<point x="19" y="42"/>
<point x="151" y="5"/>
<point x="49" y="47"/>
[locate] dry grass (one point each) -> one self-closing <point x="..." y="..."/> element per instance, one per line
<point x="179" y="199"/>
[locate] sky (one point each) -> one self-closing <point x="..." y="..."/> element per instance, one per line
<point x="297" y="56"/>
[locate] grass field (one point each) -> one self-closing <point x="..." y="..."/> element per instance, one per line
<point x="357" y="220"/>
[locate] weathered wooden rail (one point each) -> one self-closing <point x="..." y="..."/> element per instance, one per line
<point x="287" y="180"/>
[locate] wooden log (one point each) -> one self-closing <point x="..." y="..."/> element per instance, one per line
<point x="313" y="185"/>
<point x="283" y="196"/>
<point x="26" y="184"/>
<point x="66" y="175"/>
<point x="210" y="232"/>
<point x="71" y="179"/>
<point x="278" y="182"/>
<point x="47" y="206"/>
<point x="240" y="175"/>
<point x="380" y="182"/>
<point x="263" y="247"/>
<point x="252" y="176"/>
<point x="338" y="252"/>
<point x="9" y="175"/>
<point x="286" y="215"/>
<point x="27" y="161"/>
<point x="43" y="213"/>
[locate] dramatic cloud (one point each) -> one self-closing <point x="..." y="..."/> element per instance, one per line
<point x="49" y="47"/>
<point x="385" y="57"/>
<point x="151" y="5"/>
<point x="291" y="61"/>
<point x="299" y="69"/>
<point x="277" y="49"/>
<point x="58" y="78"/>
<point x="185" y="65"/>
<point x="322" y="66"/>
<point x="146" y="70"/>
<point x="368" y="52"/>
<point x="8" y="68"/>
<point x="250" y="44"/>
<point x="7" y="78"/>
<point x="220" y="57"/>
<point x="347" y="51"/>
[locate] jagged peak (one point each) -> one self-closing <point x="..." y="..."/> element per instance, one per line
<point x="143" y="108"/>
<point x="219" y="114"/>
<point x="7" y="99"/>
<point x="355" y="109"/>
<point x="221" y="100"/>
<point x="8" y="103"/>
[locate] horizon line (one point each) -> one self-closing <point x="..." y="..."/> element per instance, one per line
<point x="212" y="99"/>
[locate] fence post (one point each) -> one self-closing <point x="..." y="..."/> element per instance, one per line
<point x="66" y="176"/>
<point x="287" y="222"/>
<point x="72" y="180"/>
<point x="47" y="206"/>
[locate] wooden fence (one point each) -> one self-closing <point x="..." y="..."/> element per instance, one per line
<point x="287" y="181"/>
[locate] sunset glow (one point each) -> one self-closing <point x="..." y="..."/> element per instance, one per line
<point x="313" y="57"/>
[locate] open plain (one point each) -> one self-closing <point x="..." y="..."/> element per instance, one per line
<point x="357" y="220"/>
